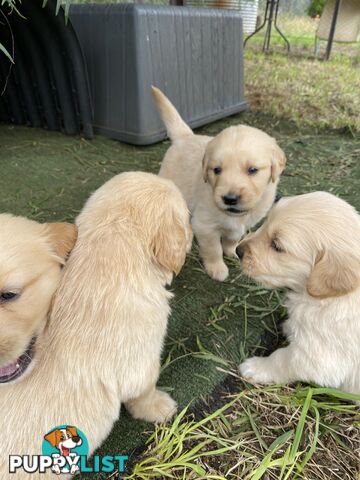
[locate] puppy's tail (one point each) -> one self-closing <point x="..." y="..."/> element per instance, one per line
<point x="175" y="125"/>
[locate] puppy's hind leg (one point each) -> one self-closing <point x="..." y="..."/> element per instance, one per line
<point x="152" y="406"/>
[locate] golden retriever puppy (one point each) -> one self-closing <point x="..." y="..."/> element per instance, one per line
<point x="103" y="343"/>
<point x="310" y="244"/>
<point x="229" y="182"/>
<point x="31" y="257"/>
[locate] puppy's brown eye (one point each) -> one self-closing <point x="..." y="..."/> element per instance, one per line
<point x="217" y="170"/>
<point x="252" y="170"/>
<point x="7" y="296"/>
<point x="276" y="246"/>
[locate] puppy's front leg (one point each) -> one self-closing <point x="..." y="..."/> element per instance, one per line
<point x="280" y="367"/>
<point x="211" y="253"/>
<point x="152" y="406"/>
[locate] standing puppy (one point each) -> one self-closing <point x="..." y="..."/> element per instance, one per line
<point x="310" y="244"/>
<point x="229" y="182"/>
<point x="103" y="343"/>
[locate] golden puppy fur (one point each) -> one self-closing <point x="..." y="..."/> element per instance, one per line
<point x="31" y="257"/>
<point x="311" y="245"/>
<point x="108" y="321"/>
<point x="229" y="182"/>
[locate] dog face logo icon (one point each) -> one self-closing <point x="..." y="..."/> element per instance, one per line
<point x="65" y="441"/>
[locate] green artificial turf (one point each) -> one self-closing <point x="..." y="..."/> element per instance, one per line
<point x="48" y="176"/>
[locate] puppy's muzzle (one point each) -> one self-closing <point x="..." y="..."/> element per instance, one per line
<point x="240" y="252"/>
<point x="231" y="199"/>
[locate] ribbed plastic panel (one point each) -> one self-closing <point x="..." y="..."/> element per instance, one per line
<point x="47" y="86"/>
<point x="194" y="55"/>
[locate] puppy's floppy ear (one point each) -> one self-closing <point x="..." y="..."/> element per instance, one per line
<point x="333" y="275"/>
<point x="205" y="162"/>
<point x="53" y="438"/>
<point x="169" y="243"/>
<point x="62" y="237"/>
<point x="278" y="163"/>
<point x="72" y="430"/>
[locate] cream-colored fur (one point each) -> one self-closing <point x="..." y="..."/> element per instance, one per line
<point x="103" y="343"/>
<point x="31" y="257"/>
<point x="317" y="236"/>
<point x="190" y="164"/>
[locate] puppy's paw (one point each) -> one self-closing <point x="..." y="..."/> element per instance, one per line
<point x="287" y="329"/>
<point x="157" y="407"/>
<point x="163" y="408"/>
<point x="257" y="370"/>
<point x="218" y="271"/>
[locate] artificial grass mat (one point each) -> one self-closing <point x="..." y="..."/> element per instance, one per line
<point x="48" y="176"/>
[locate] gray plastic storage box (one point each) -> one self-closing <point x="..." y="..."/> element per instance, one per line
<point x="193" y="55"/>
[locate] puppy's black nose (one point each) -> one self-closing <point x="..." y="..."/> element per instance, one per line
<point x="231" y="199"/>
<point x="76" y="438"/>
<point x="240" y="252"/>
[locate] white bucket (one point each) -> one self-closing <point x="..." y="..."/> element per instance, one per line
<point x="248" y="9"/>
<point x="249" y="12"/>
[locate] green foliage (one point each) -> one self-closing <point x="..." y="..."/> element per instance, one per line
<point x="14" y="7"/>
<point x="316" y="8"/>
<point x="262" y="432"/>
<point x="323" y="94"/>
<point x="11" y="4"/>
